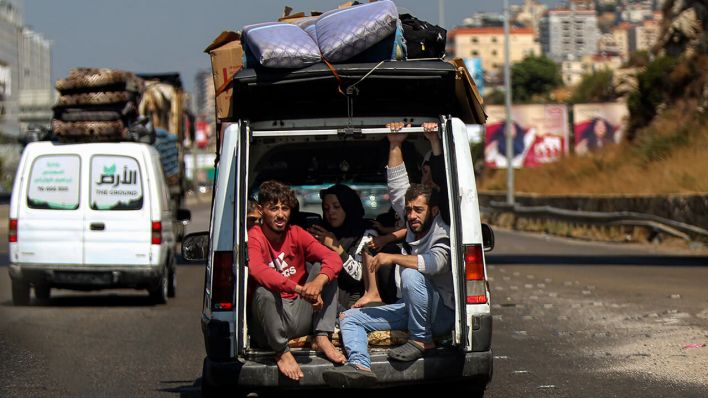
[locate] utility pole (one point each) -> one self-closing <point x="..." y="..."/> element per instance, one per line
<point x="508" y="130"/>
<point x="441" y="13"/>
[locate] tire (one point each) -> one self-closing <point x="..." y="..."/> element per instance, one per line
<point x="468" y="389"/>
<point x="158" y="294"/>
<point x="208" y="389"/>
<point x="42" y="292"/>
<point x="172" y="278"/>
<point x="20" y="293"/>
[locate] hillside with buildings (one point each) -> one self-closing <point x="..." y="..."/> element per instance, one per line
<point x="662" y="149"/>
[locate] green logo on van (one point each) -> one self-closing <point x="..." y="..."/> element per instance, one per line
<point x="109" y="170"/>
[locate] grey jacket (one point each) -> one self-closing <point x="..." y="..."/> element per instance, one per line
<point x="433" y="249"/>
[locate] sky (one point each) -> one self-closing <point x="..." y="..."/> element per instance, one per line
<point x="157" y="36"/>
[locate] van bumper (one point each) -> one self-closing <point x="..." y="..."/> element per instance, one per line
<point x="87" y="277"/>
<point x="445" y="365"/>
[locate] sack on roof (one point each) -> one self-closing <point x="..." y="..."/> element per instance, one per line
<point x="345" y="33"/>
<point x="280" y="45"/>
<point x="423" y="39"/>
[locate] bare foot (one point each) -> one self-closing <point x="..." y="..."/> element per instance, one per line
<point x="325" y="346"/>
<point x="366" y="299"/>
<point x="288" y="365"/>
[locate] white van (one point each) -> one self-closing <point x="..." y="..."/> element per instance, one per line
<point x="91" y="216"/>
<point x="297" y="128"/>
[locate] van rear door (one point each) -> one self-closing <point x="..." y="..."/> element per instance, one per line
<point x="50" y="227"/>
<point x="118" y="224"/>
<point x="467" y="233"/>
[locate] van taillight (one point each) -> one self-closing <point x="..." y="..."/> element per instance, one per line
<point x="12" y="230"/>
<point x="474" y="275"/>
<point x="222" y="285"/>
<point x="156" y="230"/>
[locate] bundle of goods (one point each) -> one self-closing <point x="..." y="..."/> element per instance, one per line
<point x="353" y="33"/>
<point x="96" y="105"/>
<point x="166" y="145"/>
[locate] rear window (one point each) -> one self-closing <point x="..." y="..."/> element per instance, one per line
<point x="54" y="182"/>
<point x="115" y="183"/>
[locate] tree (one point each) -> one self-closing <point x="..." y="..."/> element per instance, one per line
<point x="595" y="87"/>
<point x="655" y="87"/>
<point x="533" y="78"/>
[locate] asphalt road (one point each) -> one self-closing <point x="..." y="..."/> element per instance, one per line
<point x="570" y="320"/>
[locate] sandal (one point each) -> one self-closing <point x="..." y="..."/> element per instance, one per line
<point x="407" y="352"/>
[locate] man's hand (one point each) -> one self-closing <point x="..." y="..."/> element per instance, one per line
<point x="378" y="261"/>
<point x="430" y="130"/>
<point x="396" y="138"/>
<point x="325" y="237"/>
<point x="312" y="290"/>
<point x="318" y="304"/>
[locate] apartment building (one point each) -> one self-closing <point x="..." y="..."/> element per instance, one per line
<point x="487" y="43"/>
<point x="569" y="33"/>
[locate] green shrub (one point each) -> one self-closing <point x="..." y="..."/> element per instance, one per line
<point x="596" y="87"/>
<point x="654" y="88"/>
<point x="534" y="77"/>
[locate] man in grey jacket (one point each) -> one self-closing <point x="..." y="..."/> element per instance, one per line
<point x="426" y="308"/>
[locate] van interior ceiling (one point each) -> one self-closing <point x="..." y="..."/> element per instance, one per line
<point x="323" y="160"/>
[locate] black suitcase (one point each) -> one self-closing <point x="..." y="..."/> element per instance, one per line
<point x="423" y="39"/>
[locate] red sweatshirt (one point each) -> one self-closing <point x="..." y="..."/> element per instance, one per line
<point x="279" y="268"/>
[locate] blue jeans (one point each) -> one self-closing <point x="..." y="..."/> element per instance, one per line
<point x="421" y="311"/>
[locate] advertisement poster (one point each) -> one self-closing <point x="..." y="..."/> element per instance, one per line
<point x="54" y="183"/>
<point x="540" y="135"/>
<point x="115" y="183"/>
<point x="598" y="125"/>
<point x="474" y="67"/>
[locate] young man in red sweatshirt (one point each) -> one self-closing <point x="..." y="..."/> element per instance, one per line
<point x="288" y="301"/>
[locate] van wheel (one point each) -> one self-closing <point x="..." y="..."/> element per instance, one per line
<point x="20" y="293"/>
<point x="158" y="294"/>
<point x="172" y="278"/>
<point x="42" y="292"/>
<point x="212" y="390"/>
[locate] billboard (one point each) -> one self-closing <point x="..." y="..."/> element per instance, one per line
<point x="474" y="67"/>
<point x="540" y="135"/>
<point x="598" y="125"/>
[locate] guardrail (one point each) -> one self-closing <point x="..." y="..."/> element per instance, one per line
<point x="622" y="218"/>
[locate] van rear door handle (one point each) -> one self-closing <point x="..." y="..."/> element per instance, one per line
<point x="97" y="226"/>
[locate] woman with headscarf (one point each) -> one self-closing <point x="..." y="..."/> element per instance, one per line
<point x="347" y="233"/>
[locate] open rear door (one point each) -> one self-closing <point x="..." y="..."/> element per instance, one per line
<point x="465" y="230"/>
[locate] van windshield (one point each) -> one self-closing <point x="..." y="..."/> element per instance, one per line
<point x="115" y="183"/>
<point x="54" y="182"/>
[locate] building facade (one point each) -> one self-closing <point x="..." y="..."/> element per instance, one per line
<point x="569" y="33"/>
<point x="26" y="92"/>
<point x="487" y="43"/>
<point x="10" y="28"/>
<point x="37" y="96"/>
<point x="204" y="102"/>
<point x="644" y="35"/>
<point x="574" y="71"/>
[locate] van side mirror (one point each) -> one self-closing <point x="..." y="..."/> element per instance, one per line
<point x="184" y="215"/>
<point x="195" y="246"/>
<point x="487" y="237"/>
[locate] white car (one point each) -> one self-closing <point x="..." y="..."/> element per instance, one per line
<point x="288" y="132"/>
<point x="91" y="216"/>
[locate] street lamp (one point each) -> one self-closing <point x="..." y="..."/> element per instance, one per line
<point x="508" y="130"/>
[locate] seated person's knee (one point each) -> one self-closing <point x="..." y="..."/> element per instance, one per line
<point x="410" y="277"/>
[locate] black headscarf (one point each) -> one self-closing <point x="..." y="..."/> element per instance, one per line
<point x="351" y="231"/>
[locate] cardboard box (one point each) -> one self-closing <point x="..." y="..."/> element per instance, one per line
<point x="226" y="59"/>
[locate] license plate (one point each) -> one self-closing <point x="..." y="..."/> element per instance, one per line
<point x="83" y="278"/>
